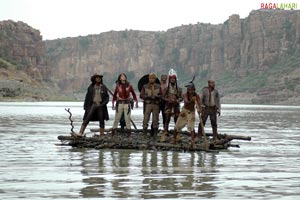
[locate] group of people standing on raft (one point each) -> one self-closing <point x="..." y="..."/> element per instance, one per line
<point x="163" y="96"/>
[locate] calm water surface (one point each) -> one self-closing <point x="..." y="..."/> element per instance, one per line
<point x="33" y="166"/>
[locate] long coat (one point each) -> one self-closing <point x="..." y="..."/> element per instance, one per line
<point x="88" y="102"/>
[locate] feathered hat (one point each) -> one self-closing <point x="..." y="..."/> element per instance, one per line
<point x="191" y="84"/>
<point x="172" y="74"/>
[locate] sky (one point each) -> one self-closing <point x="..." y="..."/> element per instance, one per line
<point x="71" y="18"/>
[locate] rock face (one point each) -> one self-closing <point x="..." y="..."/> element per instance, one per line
<point x="74" y="60"/>
<point x="228" y="52"/>
<point x="258" y="55"/>
<point x="23" y="46"/>
<point x="23" y="67"/>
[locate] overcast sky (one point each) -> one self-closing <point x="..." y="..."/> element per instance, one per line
<point x="72" y="18"/>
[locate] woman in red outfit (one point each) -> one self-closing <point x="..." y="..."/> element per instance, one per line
<point x="122" y="94"/>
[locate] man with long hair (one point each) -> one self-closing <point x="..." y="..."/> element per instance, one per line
<point x="163" y="86"/>
<point x="122" y="94"/>
<point x="187" y="115"/>
<point x="172" y="98"/>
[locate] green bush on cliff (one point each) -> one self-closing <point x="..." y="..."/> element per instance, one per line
<point x="252" y="82"/>
<point x="4" y="64"/>
<point x="84" y="42"/>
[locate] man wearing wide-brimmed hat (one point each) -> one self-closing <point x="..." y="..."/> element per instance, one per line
<point x="95" y="106"/>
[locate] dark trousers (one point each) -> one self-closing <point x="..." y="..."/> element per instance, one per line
<point x="212" y="113"/>
<point x="122" y="122"/>
<point x="169" y="111"/>
<point x="95" y="110"/>
<point x="212" y="116"/>
<point x="154" y="110"/>
<point x="162" y="106"/>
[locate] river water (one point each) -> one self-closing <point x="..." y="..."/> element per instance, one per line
<point x="35" y="166"/>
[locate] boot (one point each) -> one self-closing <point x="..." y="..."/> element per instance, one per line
<point x="128" y="131"/>
<point x="215" y="134"/>
<point x="144" y="132"/>
<point x="155" y="131"/>
<point x="164" y="136"/>
<point x="113" y="132"/>
<point x="174" y="137"/>
<point x="178" y="137"/>
<point x="193" y="138"/>
<point x="199" y="134"/>
<point x="101" y="131"/>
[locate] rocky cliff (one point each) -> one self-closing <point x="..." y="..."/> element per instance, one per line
<point x="253" y="60"/>
<point x="23" y="67"/>
<point x="238" y="54"/>
<point x="23" y="46"/>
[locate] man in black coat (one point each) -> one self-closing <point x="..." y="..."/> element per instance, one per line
<point x="95" y="104"/>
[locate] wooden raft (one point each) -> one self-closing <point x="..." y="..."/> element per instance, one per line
<point x="136" y="140"/>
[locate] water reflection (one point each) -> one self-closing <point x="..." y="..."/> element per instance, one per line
<point x="144" y="174"/>
<point x="33" y="167"/>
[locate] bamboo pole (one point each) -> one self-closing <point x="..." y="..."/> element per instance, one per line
<point x="201" y="124"/>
